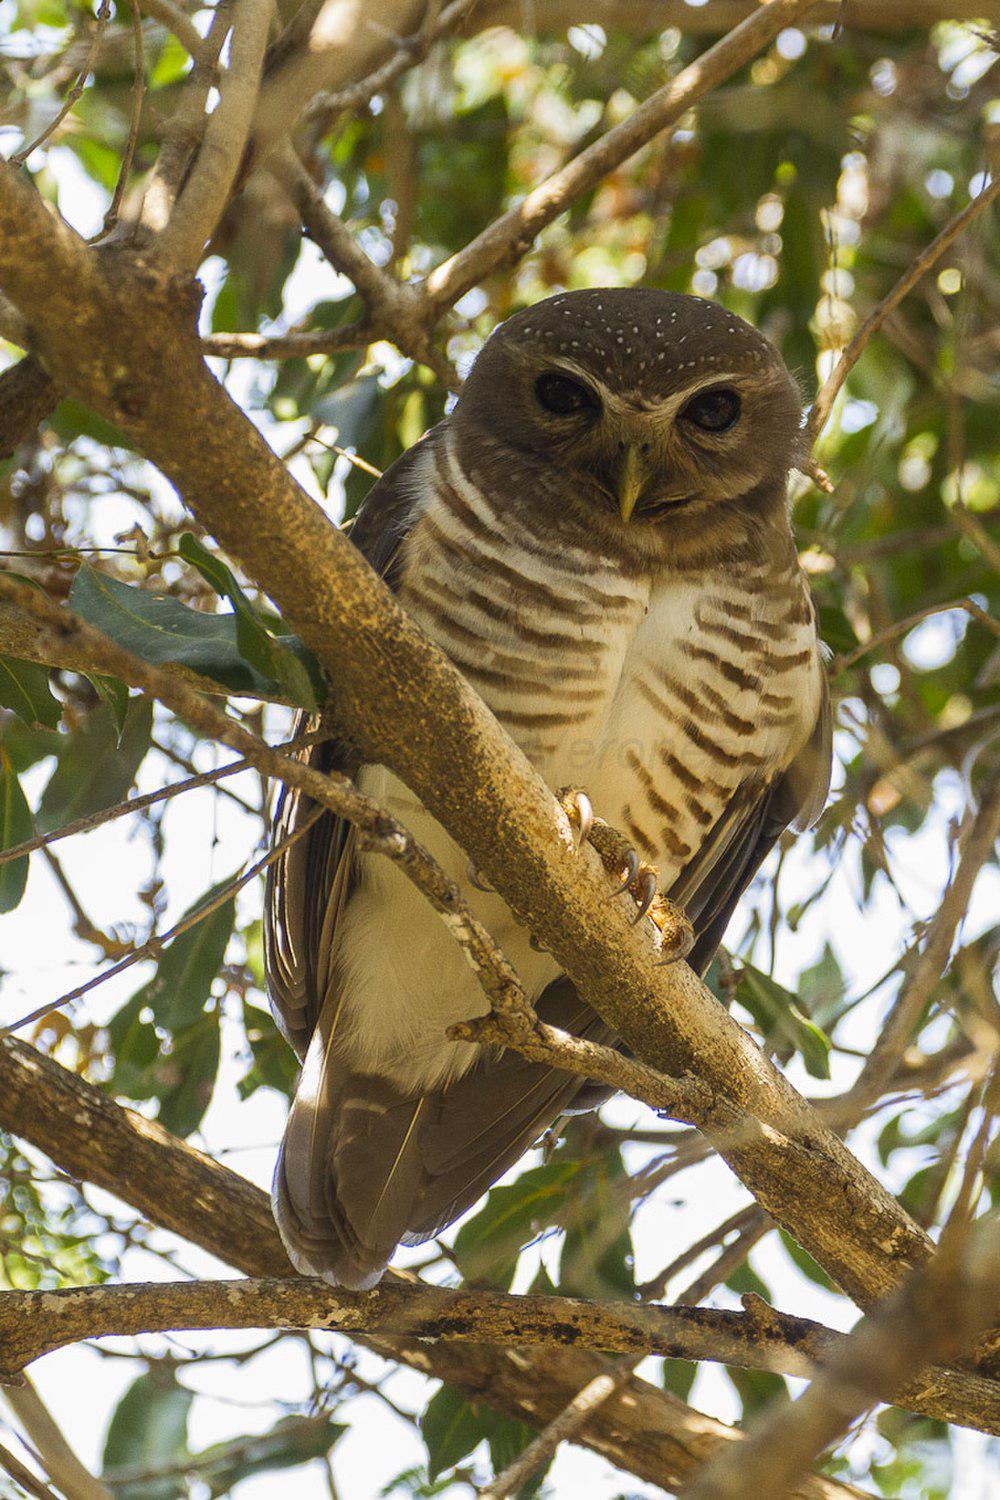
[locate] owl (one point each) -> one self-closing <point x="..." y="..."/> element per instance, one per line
<point x="598" y="538"/>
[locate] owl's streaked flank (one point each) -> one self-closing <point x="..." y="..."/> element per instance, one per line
<point x="598" y="537"/>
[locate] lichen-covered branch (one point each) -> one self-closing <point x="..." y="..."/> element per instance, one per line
<point x="34" y="1323"/>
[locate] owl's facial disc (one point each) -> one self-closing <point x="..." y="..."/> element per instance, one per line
<point x="649" y="456"/>
<point x="634" y="404"/>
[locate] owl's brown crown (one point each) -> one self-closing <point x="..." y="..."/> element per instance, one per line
<point x="639" y="339"/>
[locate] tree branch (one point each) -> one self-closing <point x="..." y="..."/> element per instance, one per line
<point x="937" y="1311"/>
<point x="61" y="1464"/>
<point x="826" y="395"/>
<point x="981" y="834"/>
<point x="35" y="1323"/>
<point x="206" y="192"/>
<point x="507" y="238"/>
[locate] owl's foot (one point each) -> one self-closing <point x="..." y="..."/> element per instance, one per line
<point x="634" y="875"/>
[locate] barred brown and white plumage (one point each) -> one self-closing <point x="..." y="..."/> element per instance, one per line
<point x="598" y="538"/>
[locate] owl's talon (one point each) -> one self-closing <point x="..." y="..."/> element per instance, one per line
<point x="644" y="891"/>
<point x="580" y="811"/>
<point x="631" y="871"/>
<point x="475" y="879"/>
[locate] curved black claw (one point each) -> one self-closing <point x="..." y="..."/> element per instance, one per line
<point x="631" y="871"/>
<point x="644" y="893"/>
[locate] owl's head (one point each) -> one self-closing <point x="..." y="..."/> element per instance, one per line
<point x="648" y="403"/>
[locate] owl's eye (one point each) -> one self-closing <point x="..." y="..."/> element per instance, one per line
<point x="562" y="395"/>
<point x="713" y="411"/>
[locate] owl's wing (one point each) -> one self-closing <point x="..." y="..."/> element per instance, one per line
<point x="713" y="881"/>
<point x="308" y="887"/>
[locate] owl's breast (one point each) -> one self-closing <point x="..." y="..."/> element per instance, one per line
<point x="721" y="685"/>
<point x="659" y="694"/>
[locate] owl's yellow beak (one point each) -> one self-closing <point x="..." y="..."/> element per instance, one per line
<point x="630" y="479"/>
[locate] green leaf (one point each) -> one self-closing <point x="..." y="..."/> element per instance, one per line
<point x="508" y="1439"/>
<point x="71" y="419"/>
<point x="745" y="1279"/>
<point x="180" y="1074"/>
<point x="806" y="1264"/>
<point x="184" y="1077"/>
<point x="114" y="695"/>
<point x="149" y="1429"/>
<point x="171" y="65"/>
<point x="26" y="747"/>
<point x="777" y="1013"/>
<point x="287" y="661"/>
<point x="274" y="1063"/>
<point x="757" y="1388"/>
<point x="292" y="1441"/>
<point x="596" y="1258"/>
<point x="24" y="687"/>
<point x="95" y="769"/>
<point x="15" y="826"/>
<point x="450" y="1429"/>
<point x="821" y="988"/>
<point x="164" y="632"/>
<point x="679" y="1376"/>
<point x="487" y="1246"/>
<point x="182" y="984"/>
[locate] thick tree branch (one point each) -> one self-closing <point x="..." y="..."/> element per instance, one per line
<point x="408" y="708"/>
<point x="35" y="1323"/>
<point x="87" y="1135"/>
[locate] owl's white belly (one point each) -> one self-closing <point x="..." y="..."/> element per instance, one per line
<point x="659" y="738"/>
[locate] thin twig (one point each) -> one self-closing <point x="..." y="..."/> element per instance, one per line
<point x="569" y="1421"/>
<point x="826" y="395"/>
<point x="903" y="627"/>
<point x="507" y="238"/>
<point x="78" y="86"/>
<point x="410" y="51"/>
<point x="55" y="1454"/>
<point x="294" y="345"/>
<point x="982" y="831"/>
<point x="154" y="947"/>
<point x="138" y="94"/>
<point x="140" y="803"/>
<point x="24" y="1477"/>
<point x="180" y="24"/>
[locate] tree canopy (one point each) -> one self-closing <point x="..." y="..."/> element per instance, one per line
<point x="247" y="254"/>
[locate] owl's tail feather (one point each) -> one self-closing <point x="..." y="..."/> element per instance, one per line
<point x="363" y="1167"/>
